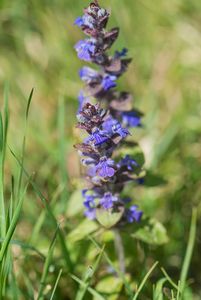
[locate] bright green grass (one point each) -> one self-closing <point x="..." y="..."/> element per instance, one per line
<point x="47" y="249"/>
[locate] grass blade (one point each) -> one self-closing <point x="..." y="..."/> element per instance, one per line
<point x="189" y="251"/>
<point x="6" y="116"/>
<point x="12" y="226"/>
<point x="169" y="279"/>
<point x="158" y="289"/>
<point x="144" y="281"/>
<point x="178" y="291"/>
<point x="14" y="287"/>
<point x="2" y="204"/>
<point x="89" y="289"/>
<point x="62" y="153"/>
<point x="24" y="142"/>
<point x="24" y="246"/>
<point x="64" y="248"/>
<point x="1" y="133"/>
<point x="56" y="283"/>
<point x="46" y="267"/>
<point x="90" y="272"/>
<point x="29" y="102"/>
<point x="121" y="275"/>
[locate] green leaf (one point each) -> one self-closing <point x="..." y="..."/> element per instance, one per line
<point x="109" y="218"/>
<point x="82" y="230"/>
<point x="111" y="286"/>
<point x="152" y="232"/>
<point x="134" y="151"/>
<point x="75" y="204"/>
<point x="124" y="278"/>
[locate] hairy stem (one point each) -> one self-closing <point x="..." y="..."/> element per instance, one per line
<point x="119" y="250"/>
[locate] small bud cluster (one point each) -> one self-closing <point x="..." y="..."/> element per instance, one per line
<point x="106" y="122"/>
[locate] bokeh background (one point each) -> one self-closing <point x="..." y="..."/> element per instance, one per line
<point x="36" y="50"/>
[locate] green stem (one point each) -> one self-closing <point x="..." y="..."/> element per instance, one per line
<point x="119" y="250"/>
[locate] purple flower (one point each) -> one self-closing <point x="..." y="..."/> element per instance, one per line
<point x="85" y="20"/>
<point x="88" y="74"/>
<point x="99" y="137"/>
<point x="131" y="119"/>
<point x="79" y="21"/>
<point x="89" y="21"/>
<point x="82" y="100"/>
<point x="85" y="49"/>
<point x="107" y="122"/>
<point x="126" y="200"/>
<point x="88" y="161"/>
<point x="90" y="213"/>
<point x="108" y="125"/>
<point x="128" y="162"/>
<point x="133" y="214"/>
<point x="105" y="167"/>
<point x="112" y="126"/>
<point x="108" y="82"/>
<point x="122" y="53"/>
<point x="102" y="13"/>
<point x="89" y="201"/>
<point x="117" y="128"/>
<point x="140" y="180"/>
<point x="108" y="200"/>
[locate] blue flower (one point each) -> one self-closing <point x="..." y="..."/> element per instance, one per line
<point x="89" y="201"/>
<point x="102" y="12"/>
<point x="85" y="49"/>
<point x="88" y="74"/>
<point x="112" y="126"/>
<point x="108" y="82"/>
<point x="117" y="128"/>
<point x="140" y="181"/>
<point x="133" y="214"/>
<point x="122" y="53"/>
<point x="99" y="137"/>
<point x="105" y="128"/>
<point x="128" y="162"/>
<point x="79" y="21"/>
<point x="88" y="21"/>
<point x="82" y="100"/>
<point x="105" y="167"/>
<point x="126" y="200"/>
<point x="90" y="213"/>
<point x="108" y="125"/>
<point x="108" y="200"/>
<point x="131" y="119"/>
<point x="88" y="161"/>
<point x="85" y="20"/>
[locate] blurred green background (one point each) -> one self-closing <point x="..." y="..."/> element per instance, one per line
<point x="36" y="50"/>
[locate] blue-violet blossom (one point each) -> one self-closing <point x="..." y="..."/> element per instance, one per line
<point x="106" y="123"/>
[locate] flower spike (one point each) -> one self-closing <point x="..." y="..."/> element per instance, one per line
<point x="106" y="123"/>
